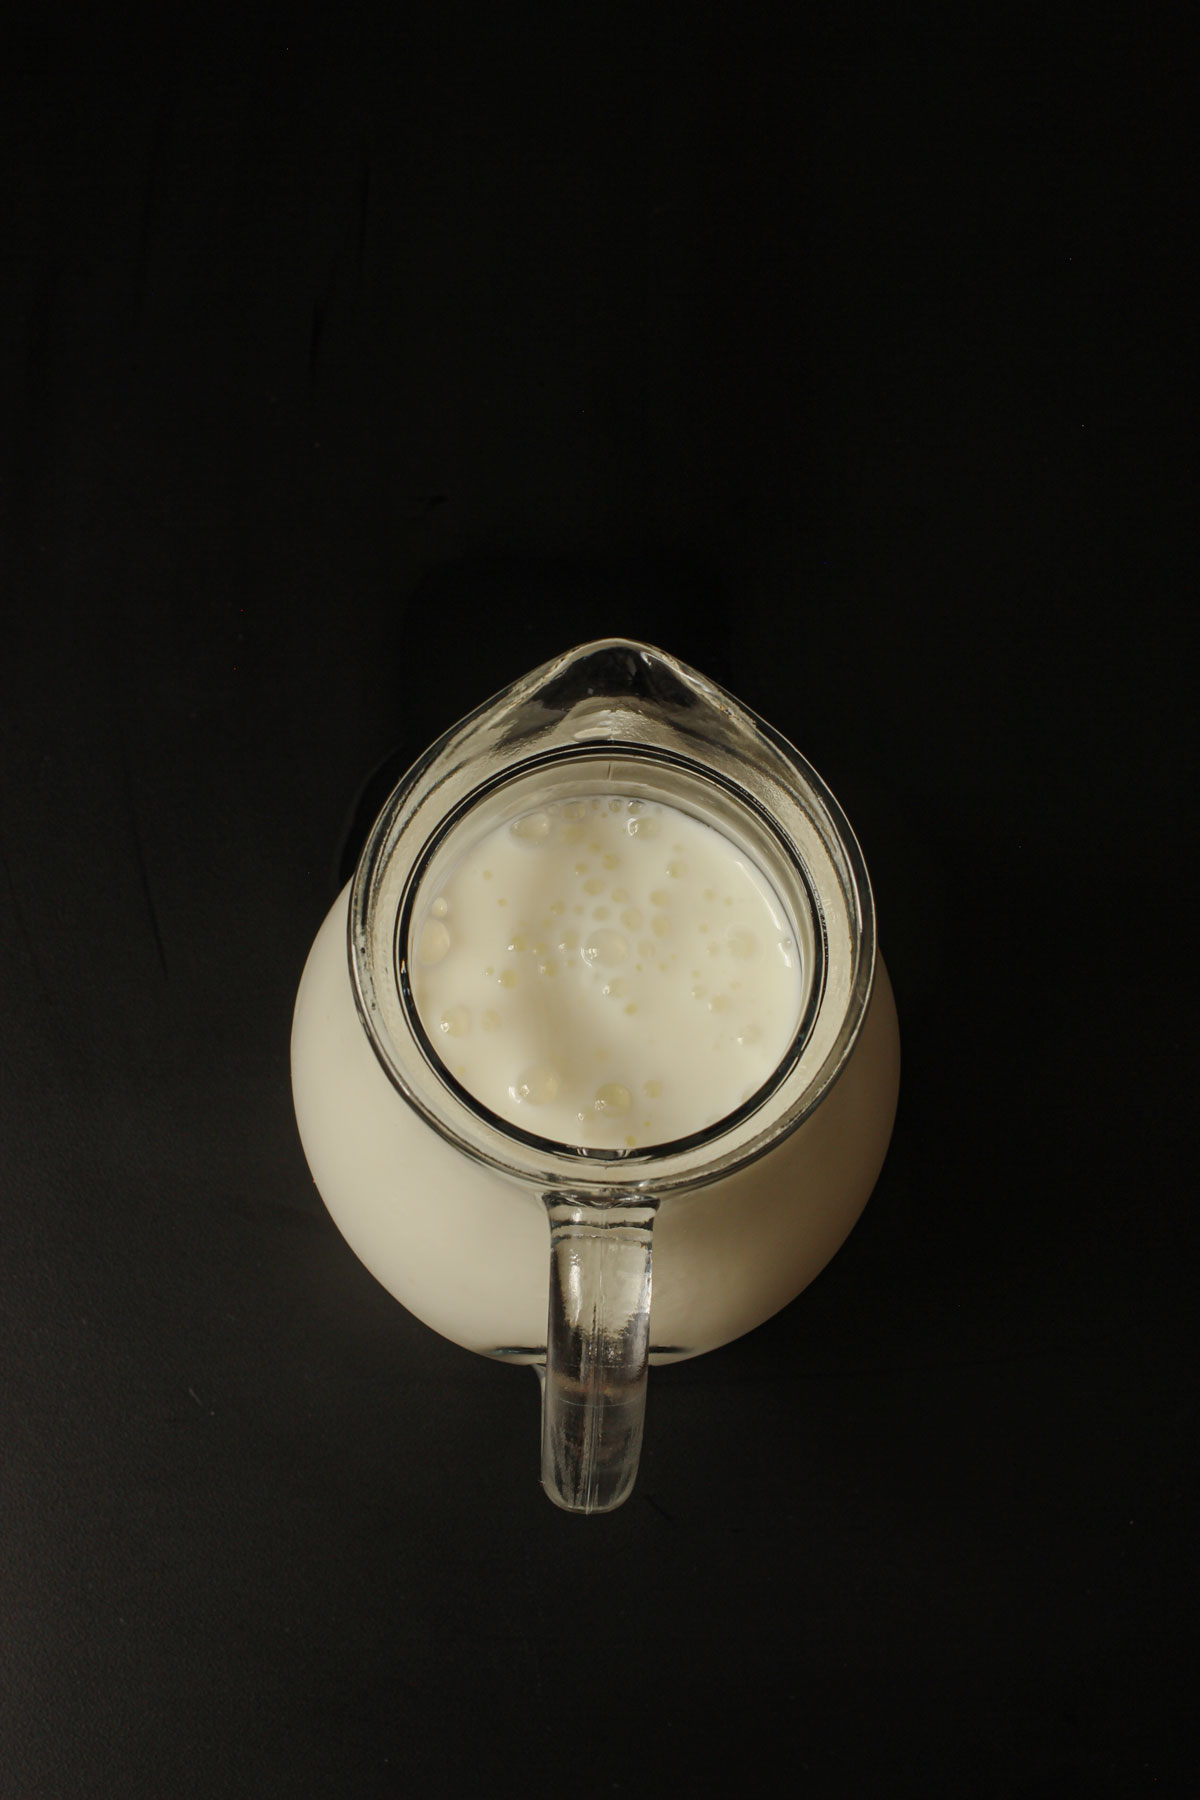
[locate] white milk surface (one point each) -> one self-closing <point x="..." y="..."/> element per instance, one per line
<point x="607" y="972"/>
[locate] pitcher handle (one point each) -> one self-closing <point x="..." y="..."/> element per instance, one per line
<point x="597" y="1343"/>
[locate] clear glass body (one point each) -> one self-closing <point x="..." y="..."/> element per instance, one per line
<point x="593" y="1262"/>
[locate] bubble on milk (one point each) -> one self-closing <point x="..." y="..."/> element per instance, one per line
<point x="605" y="948"/>
<point x="536" y="1085"/>
<point x="455" y="1021"/>
<point x="534" y="828"/>
<point x="433" y="944"/>
<point x="612" y="1099"/>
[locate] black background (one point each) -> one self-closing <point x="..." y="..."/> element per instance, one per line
<point x="354" y="364"/>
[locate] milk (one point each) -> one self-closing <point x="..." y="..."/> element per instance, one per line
<point x="607" y="972"/>
<point x="467" y="1250"/>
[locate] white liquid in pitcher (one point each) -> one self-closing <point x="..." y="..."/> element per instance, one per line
<point x="607" y="972"/>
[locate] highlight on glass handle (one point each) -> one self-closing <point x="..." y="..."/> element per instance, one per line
<point x="597" y="1344"/>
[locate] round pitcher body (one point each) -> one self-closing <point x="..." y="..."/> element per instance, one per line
<point x="464" y="1249"/>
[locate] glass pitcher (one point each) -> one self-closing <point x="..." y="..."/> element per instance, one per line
<point x="591" y="1262"/>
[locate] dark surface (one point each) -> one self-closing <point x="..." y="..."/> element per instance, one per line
<point x="349" y="372"/>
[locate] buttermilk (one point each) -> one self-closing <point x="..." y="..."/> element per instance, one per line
<point x="606" y="972"/>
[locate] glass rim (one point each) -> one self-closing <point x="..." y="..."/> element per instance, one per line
<point x="604" y="1173"/>
<point x="606" y="1155"/>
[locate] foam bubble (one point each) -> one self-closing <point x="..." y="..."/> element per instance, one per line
<point x="534" y="828"/>
<point x="606" y="948"/>
<point x="536" y="1085"/>
<point x="612" y="1099"/>
<point x="434" y="943"/>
